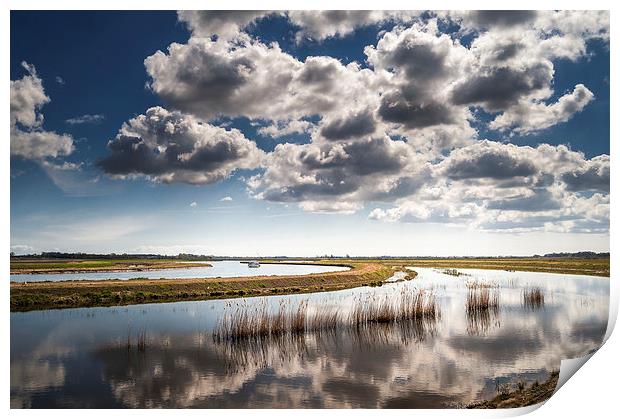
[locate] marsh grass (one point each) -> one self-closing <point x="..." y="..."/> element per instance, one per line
<point x="476" y="285"/>
<point x="255" y="323"/>
<point x="482" y="307"/>
<point x="533" y="298"/>
<point x="265" y="335"/>
<point x="453" y="272"/>
<point x="408" y="306"/>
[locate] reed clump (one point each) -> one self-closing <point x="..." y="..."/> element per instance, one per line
<point x="453" y="272"/>
<point x="482" y="300"/>
<point x="476" y="285"/>
<point x="295" y="320"/>
<point x="246" y="323"/>
<point x="481" y="307"/>
<point x="409" y="306"/>
<point x="533" y="298"/>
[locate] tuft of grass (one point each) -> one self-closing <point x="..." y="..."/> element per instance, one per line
<point x="474" y="285"/>
<point x="482" y="305"/>
<point x="453" y="272"/>
<point x="533" y="298"/>
<point x="482" y="300"/>
<point x="409" y="306"/>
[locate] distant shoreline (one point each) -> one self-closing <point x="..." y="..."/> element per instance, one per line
<point x="86" y="266"/>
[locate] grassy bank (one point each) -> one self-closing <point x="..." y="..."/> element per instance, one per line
<point x="525" y="396"/>
<point x="575" y="266"/>
<point x="65" y="294"/>
<point x="51" y="266"/>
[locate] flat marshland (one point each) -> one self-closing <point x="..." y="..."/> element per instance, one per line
<point x="90" y="293"/>
<point x="50" y="266"/>
<point x="575" y="266"/>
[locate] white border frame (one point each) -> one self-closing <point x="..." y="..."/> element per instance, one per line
<point x="593" y="393"/>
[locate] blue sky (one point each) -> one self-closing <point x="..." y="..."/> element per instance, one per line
<point x="420" y="181"/>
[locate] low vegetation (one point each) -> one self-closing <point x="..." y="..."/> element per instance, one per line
<point x="452" y="272"/>
<point x="52" y="266"/>
<point x="533" y="298"/>
<point x="482" y="307"/>
<point x="520" y="395"/>
<point x="408" y="306"/>
<point x="561" y="265"/>
<point x="259" y="322"/>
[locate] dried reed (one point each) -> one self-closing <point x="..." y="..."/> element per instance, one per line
<point x="533" y="298"/>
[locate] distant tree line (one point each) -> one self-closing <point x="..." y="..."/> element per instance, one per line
<point x="80" y="255"/>
<point x="190" y="256"/>
<point x="580" y="255"/>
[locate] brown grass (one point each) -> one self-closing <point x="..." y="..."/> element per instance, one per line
<point x="246" y="323"/>
<point x="482" y="307"/>
<point x="533" y="298"/>
<point x="409" y="306"/>
<point x="576" y="266"/>
<point x="453" y="272"/>
<point x="474" y="285"/>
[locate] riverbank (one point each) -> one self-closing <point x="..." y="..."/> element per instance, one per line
<point x="55" y="266"/>
<point x="534" y="394"/>
<point x="73" y="294"/>
<point x="571" y="266"/>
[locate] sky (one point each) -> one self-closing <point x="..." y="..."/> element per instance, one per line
<point x="310" y="133"/>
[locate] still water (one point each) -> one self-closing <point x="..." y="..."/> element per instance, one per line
<point x="81" y="357"/>
<point x="218" y="269"/>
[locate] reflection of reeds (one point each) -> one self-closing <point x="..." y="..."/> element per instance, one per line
<point x="482" y="304"/>
<point x="533" y="298"/>
<point x="140" y="340"/>
<point x="271" y="350"/>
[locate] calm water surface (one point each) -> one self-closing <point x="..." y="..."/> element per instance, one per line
<point x="218" y="269"/>
<point x="80" y="357"/>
